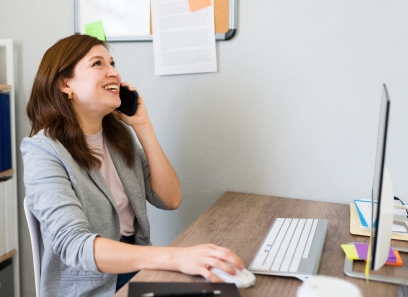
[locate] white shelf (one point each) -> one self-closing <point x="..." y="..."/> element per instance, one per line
<point x="10" y="186"/>
<point x="4" y="87"/>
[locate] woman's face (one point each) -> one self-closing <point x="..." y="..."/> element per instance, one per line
<point x="95" y="85"/>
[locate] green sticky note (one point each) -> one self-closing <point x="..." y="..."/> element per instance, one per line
<point x="350" y="251"/>
<point x="96" y="30"/>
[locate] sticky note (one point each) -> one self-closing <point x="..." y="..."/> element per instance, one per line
<point x="358" y="251"/>
<point x="368" y="264"/>
<point x="96" y="30"/>
<point x="398" y="261"/>
<point x="350" y="251"/>
<point x="362" y="250"/>
<point x="198" y="4"/>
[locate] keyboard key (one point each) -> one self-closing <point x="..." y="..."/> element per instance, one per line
<point x="295" y="265"/>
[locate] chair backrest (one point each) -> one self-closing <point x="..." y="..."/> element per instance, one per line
<point x="35" y="236"/>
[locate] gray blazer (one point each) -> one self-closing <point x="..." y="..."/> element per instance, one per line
<point x="73" y="207"/>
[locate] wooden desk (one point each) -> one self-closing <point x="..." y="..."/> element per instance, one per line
<point x="240" y="222"/>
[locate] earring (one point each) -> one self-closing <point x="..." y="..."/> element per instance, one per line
<point x="70" y="95"/>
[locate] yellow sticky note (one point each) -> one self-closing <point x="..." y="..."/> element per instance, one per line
<point x="96" y="30"/>
<point x="367" y="268"/>
<point x="198" y="4"/>
<point x="350" y="251"/>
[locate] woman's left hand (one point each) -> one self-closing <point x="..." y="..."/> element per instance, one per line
<point x="163" y="177"/>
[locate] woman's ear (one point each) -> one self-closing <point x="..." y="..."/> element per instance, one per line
<point x="63" y="86"/>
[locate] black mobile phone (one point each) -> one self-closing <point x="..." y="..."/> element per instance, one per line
<point x="129" y="101"/>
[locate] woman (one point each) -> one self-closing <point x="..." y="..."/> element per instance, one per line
<point x="87" y="179"/>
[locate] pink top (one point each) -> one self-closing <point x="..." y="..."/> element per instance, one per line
<point x="108" y="170"/>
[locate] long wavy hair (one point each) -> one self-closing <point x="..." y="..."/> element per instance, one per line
<point x="49" y="108"/>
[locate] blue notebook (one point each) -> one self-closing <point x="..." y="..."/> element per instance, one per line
<point x="5" y="126"/>
<point x="1" y="142"/>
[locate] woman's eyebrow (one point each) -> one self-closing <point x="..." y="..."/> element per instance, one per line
<point x="99" y="57"/>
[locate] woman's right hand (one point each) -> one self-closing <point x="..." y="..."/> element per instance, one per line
<point x="198" y="260"/>
<point x="112" y="256"/>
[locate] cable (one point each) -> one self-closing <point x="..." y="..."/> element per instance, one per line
<point x="400" y="206"/>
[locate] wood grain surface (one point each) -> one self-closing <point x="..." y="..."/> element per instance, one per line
<point x="240" y="222"/>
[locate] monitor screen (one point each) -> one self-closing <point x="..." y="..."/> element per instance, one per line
<point x="382" y="195"/>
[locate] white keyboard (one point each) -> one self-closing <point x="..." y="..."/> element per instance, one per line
<point x="292" y="247"/>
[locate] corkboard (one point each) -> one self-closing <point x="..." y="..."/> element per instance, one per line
<point x="221" y="16"/>
<point x="224" y="14"/>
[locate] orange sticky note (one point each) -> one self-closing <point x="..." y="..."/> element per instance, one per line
<point x="198" y="4"/>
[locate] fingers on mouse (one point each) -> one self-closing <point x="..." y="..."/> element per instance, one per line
<point x="242" y="278"/>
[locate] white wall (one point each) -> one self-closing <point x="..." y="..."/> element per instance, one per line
<point x="292" y="111"/>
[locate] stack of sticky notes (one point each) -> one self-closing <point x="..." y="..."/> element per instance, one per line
<point x="358" y="251"/>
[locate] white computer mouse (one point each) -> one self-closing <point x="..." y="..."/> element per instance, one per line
<point x="242" y="279"/>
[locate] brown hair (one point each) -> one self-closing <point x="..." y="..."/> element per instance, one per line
<point x="50" y="109"/>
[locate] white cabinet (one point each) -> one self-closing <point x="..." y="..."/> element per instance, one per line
<point x="8" y="178"/>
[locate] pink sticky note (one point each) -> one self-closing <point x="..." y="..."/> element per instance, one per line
<point x="362" y="250"/>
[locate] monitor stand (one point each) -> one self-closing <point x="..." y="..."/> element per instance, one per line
<point x="348" y="270"/>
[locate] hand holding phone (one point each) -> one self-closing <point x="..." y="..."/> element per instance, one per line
<point x="128" y="100"/>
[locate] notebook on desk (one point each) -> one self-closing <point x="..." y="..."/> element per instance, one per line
<point x="356" y="229"/>
<point x="138" y="289"/>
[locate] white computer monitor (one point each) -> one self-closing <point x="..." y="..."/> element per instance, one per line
<point x="382" y="203"/>
<point x="382" y="206"/>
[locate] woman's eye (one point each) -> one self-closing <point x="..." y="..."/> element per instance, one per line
<point x="97" y="63"/>
<point x="113" y="64"/>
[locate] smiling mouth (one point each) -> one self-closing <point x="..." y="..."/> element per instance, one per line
<point x="111" y="87"/>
